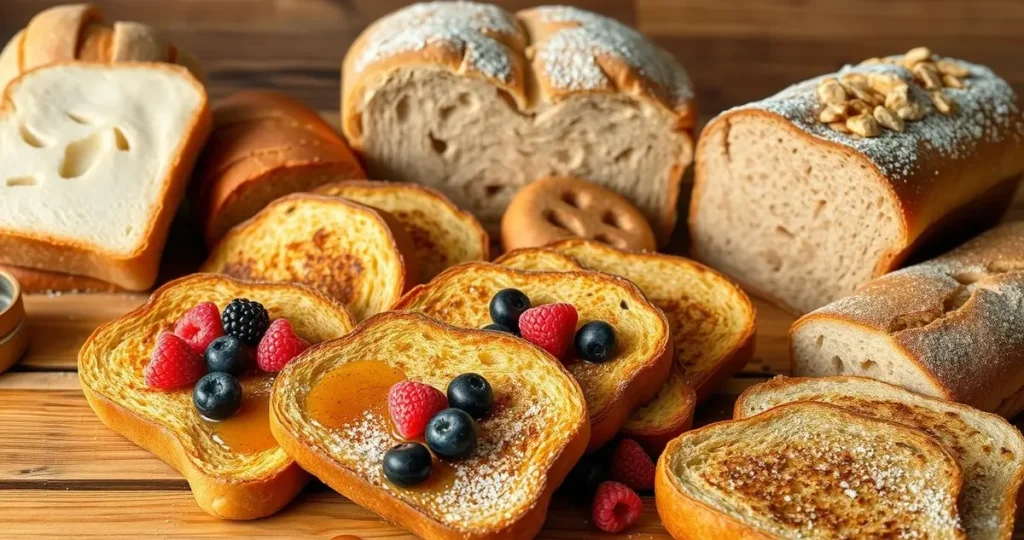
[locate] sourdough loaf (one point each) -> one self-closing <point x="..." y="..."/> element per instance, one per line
<point x="805" y="212"/>
<point x="264" y="145"/>
<point x="477" y="102"/>
<point x="951" y="327"/>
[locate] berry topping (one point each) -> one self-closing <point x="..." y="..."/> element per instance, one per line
<point x="173" y="364"/>
<point x="279" y="346"/>
<point x="471" y="393"/>
<point x="412" y="405"/>
<point x="632" y="466"/>
<point x="407" y="464"/>
<point x="584" y="478"/>
<point x="595" y="342"/>
<point x="507" y="306"/>
<point x="227" y="355"/>
<point x="199" y="326"/>
<point x="495" y="327"/>
<point x="616" y="507"/>
<point x="217" y="396"/>
<point x="452" y="433"/>
<point x="550" y="327"/>
<point x="246" y="320"/>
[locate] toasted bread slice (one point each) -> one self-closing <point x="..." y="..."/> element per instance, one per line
<point x="243" y="476"/>
<point x="539" y="260"/>
<point x="988" y="449"/>
<point x="530" y="440"/>
<point x="461" y="296"/>
<point x="807" y="470"/>
<point x="442" y="235"/>
<point x="357" y="255"/>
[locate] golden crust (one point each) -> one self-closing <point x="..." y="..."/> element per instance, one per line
<point x="43" y="281"/>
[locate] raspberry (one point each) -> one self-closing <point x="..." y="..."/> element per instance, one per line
<point x="280" y="344"/>
<point x="632" y="466"/>
<point x="412" y="405"/>
<point x="550" y="327"/>
<point x="200" y="326"/>
<point x="173" y="364"/>
<point x="616" y="507"/>
<point x="246" y="320"/>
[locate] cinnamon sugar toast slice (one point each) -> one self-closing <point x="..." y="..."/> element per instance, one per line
<point x="809" y="471"/>
<point x="989" y="450"/>
<point x="614" y="389"/>
<point x="532" y="437"/>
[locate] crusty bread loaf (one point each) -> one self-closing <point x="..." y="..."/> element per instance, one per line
<point x="78" y="32"/>
<point x="807" y="471"/>
<point x="805" y="214"/>
<point x="528" y="443"/>
<point x="264" y="145"/>
<point x="989" y="450"/>
<point x="477" y="102"/>
<point x="71" y="136"/>
<point x="951" y="327"/>
<point x="43" y="281"/>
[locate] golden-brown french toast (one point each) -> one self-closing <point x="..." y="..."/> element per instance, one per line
<point x="808" y="470"/>
<point x="989" y="450"/>
<point x="235" y="468"/>
<point x="329" y="410"/>
<point x="442" y="234"/>
<point x="614" y="389"/>
<point x="355" y="254"/>
<point x="538" y="260"/>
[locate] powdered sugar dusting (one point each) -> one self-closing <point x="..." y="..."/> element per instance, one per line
<point x="466" y="27"/>
<point x="569" y="56"/>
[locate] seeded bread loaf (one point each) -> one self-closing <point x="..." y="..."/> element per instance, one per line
<point x="805" y="211"/>
<point x="477" y="102"/>
<point x="951" y="327"/>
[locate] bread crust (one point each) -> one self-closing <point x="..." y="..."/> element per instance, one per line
<point x="43" y="281"/>
<point x="136" y="271"/>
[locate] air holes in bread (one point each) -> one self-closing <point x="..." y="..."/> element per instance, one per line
<point x="29" y="137"/>
<point x="444" y="113"/>
<point x="868" y="366"/>
<point x="818" y="207"/>
<point x="402" y="109"/>
<point x="81" y="155"/>
<point x="120" y="140"/>
<point x="78" y="119"/>
<point x="439" y="145"/>
<point x="624" y="155"/>
<point x="624" y="305"/>
<point x="784" y="232"/>
<point x="772" y="259"/>
<point x="493" y="190"/>
<point x="819" y="341"/>
<point x="837" y="365"/>
<point x="19" y="181"/>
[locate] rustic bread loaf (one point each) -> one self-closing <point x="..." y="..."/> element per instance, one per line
<point x="951" y="327"/>
<point x="805" y="211"/>
<point x="264" y="145"/>
<point x="477" y="102"/>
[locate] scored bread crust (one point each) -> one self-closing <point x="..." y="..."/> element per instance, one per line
<point x="43" y="281"/>
<point x="461" y="296"/>
<point x="333" y="258"/>
<point x="110" y="366"/>
<point x="135" y="271"/>
<point x="527" y="57"/>
<point x="442" y="234"/>
<point x="371" y="341"/>
<point x="264" y="145"/>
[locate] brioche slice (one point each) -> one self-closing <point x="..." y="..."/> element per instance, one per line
<point x="807" y="470"/>
<point x="72" y="136"/>
<point x="231" y="477"/>
<point x="989" y="450"/>
<point x="359" y="256"/>
<point x="442" y="235"/>
<point x="461" y="296"/>
<point x="535" y="433"/>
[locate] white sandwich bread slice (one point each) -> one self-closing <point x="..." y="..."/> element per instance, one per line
<point x="94" y="159"/>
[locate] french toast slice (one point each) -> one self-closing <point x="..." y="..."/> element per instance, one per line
<point x="442" y="234"/>
<point x="538" y="260"/>
<point x="808" y="470"/>
<point x="532" y="437"/>
<point x="614" y="389"/>
<point x="989" y="450"/>
<point x="355" y="254"/>
<point x="235" y="468"/>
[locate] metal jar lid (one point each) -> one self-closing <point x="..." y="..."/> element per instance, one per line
<point x="13" y="332"/>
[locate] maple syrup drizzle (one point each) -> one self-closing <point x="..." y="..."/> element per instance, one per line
<point x="248" y="431"/>
<point x="347" y="393"/>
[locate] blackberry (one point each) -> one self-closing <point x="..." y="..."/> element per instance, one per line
<point x="246" y="320"/>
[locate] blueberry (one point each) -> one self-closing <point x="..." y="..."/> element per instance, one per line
<point x="217" y="396"/>
<point x="451" y="433"/>
<point x="595" y="341"/>
<point x="495" y="327"/>
<point x="507" y="306"/>
<point x="471" y="393"/>
<point x="407" y="464"/>
<point x="227" y="354"/>
<point x="584" y="478"/>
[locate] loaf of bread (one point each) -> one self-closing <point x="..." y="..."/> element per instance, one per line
<point x="952" y="327"/>
<point x="264" y="145"/>
<point x="477" y="102"/>
<point x="79" y="32"/>
<point x="811" y="193"/>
